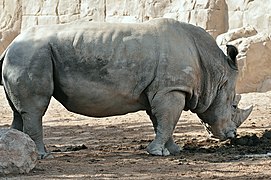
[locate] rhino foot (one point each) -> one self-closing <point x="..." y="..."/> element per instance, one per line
<point x="45" y="156"/>
<point x="157" y="150"/>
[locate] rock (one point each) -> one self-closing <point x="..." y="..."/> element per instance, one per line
<point x="18" y="152"/>
<point x="249" y="12"/>
<point x="234" y="34"/>
<point x="254" y="63"/>
<point x="212" y="15"/>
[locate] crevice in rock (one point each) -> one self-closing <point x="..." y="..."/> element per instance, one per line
<point x="104" y="11"/>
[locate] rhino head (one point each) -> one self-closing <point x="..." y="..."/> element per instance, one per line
<point x="223" y="116"/>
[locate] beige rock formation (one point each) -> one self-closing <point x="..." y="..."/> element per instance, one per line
<point x="255" y="13"/>
<point x="250" y="30"/>
<point x="241" y="20"/>
<point x="10" y="21"/>
<point x="254" y="58"/>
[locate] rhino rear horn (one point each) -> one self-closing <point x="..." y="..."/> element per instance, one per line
<point x="232" y="52"/>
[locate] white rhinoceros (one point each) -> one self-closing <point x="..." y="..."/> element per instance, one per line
<point x="103" y="69"/>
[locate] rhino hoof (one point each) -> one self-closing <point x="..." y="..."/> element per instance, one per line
<point x="173" y="148"/>
<point x="157" y="151"/>
<point x="163" y="152"/>
<point x="166" y="152"/>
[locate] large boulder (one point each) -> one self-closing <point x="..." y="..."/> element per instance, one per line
<point x="18" y="152"/>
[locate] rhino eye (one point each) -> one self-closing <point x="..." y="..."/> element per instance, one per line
<point x="234" y="106"/>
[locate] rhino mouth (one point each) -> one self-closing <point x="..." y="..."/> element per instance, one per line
<point x="222" y="136"/>
<point x="207" y="127"/>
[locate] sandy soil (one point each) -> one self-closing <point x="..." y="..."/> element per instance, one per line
<point x="114" y="148"/>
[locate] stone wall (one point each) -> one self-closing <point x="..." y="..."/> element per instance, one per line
<point x="219" y="17"/>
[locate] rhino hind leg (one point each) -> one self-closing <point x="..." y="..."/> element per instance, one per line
<point x="32" y="125"/>
<point x="29" y="118"/>
<point x="17" y="122"/>
<point x="165" y="112"/>
<point x="29" y="104"/>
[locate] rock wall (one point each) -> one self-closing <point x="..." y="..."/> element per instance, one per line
<point x="223" y="19"/>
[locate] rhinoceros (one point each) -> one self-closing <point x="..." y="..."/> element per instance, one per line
<point x="99" y="69"/>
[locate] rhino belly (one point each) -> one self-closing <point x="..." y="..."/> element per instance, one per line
<point x="99" y="101"/>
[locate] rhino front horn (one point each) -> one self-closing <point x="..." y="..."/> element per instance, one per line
<point x="243" y="115"/>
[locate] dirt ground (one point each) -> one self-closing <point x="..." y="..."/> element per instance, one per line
<point x="114" y="148"/>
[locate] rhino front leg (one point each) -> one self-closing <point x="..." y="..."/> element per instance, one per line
<point x="170" y="145"/>
<point x="166" y="109"/>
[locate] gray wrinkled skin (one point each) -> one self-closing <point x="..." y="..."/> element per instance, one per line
<point x="102" y="69"/>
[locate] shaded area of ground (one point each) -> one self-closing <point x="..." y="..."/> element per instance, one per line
<point x="110" y="148"/>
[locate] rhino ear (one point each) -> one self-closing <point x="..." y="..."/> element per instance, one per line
<point x="232" y="52"/>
